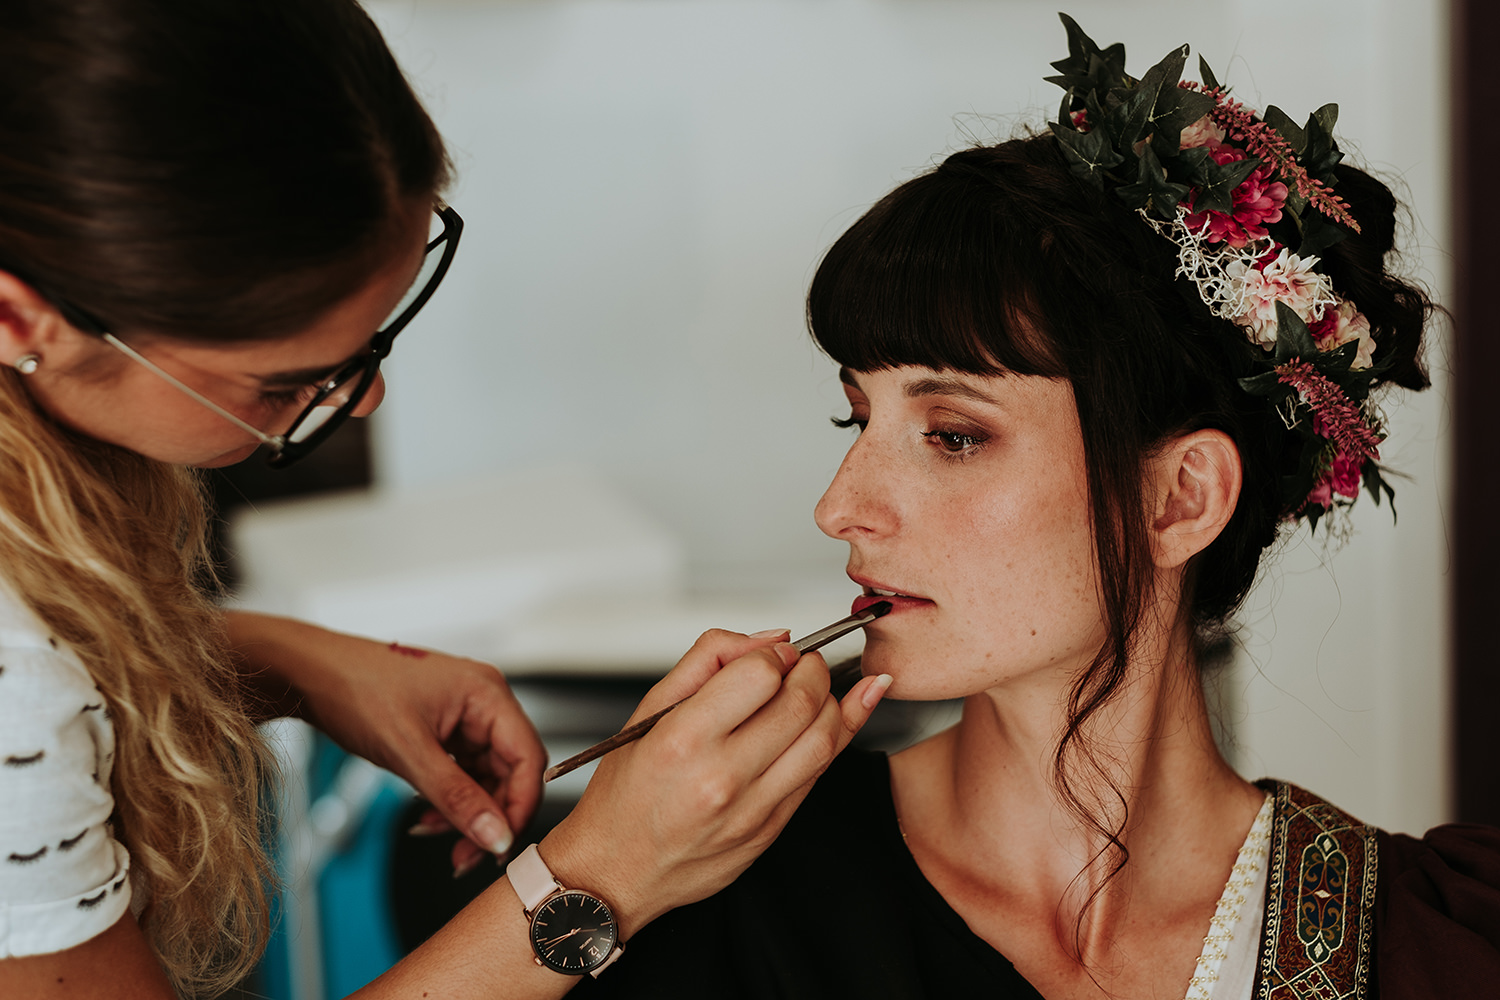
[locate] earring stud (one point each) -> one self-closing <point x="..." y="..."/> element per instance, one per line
<point x="28" y="363"/>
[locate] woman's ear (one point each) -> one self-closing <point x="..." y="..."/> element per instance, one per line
<point x="28" y="322"/>
<point x="1196" y="484"/>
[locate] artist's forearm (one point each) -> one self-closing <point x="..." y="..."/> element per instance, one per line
<point x="482" y="953"/>
<point x="273" y="658"/>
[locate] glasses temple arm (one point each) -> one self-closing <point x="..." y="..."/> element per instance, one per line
<point x="128" y="351"/>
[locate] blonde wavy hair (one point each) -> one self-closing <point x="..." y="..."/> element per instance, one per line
<point x="109" y="548"/>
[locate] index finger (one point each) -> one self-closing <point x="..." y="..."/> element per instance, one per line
<point x="713" y="650"/>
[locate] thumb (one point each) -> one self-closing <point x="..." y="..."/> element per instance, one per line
<point x="464" y="802"/>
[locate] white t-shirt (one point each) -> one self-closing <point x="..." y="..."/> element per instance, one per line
<point x="63" y="876"/>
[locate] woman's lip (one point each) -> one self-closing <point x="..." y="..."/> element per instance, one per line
<point x="896" y="602"/>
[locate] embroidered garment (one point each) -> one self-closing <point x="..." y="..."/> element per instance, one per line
<point x="63" y="877"/>
<point x="1226" y="966"/>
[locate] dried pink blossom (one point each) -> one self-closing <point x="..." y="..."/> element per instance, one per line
<point x="1268" y="144"/>
<point x="1335" y="418"/>
<point x="1256" y="202"/>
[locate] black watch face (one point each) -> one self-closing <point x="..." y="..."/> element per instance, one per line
<point x="573" y="932"/>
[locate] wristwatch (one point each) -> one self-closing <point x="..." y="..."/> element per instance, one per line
<point x="572" y="931"/>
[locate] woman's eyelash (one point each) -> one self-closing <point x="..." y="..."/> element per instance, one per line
<point x="849" y="421"/>
<point x="955" y="443"/>
<point x="283" y="397"/>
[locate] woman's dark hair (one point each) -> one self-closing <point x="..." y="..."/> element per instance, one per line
<point x="1001" y="261"/>
<point x="209" y="169"/>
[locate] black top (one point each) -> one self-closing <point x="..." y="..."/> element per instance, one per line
<point x="837" y="907"/>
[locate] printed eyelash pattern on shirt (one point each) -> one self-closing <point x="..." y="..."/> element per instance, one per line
<point x="63" y="876"/>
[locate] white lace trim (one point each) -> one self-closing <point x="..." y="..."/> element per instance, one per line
<point x="1248" y="866"/>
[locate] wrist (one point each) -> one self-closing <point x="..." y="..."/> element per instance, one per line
<point x="572" y="930"/>
<point x="579" y="861"/>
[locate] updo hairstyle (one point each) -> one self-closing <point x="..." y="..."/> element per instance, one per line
<point x="1001" y="261"/>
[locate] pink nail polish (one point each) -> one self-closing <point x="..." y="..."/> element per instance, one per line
<point x="766" y="633"/>
<point x="876" y="691"/>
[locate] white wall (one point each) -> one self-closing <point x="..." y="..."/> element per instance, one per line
<point x="649" y="183"/>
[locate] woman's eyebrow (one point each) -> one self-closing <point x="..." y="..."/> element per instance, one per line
<point x="947" y="386"/>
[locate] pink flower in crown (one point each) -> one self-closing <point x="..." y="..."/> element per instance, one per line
<point x="1283" y="278"/>
<point x="1342" y="478"/>
<point x="1256" y="202"/>
<point x="1203" y="132"/>
<point x="1339" y="326"/>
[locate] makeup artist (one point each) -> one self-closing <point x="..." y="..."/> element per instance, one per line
<point x="215" y="218"/>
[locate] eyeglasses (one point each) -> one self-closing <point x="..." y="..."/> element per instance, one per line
<point x="337" y="396"/>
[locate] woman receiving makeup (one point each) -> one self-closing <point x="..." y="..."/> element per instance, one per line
<point x="1095" y="374"/>
<point x="215" y="218"/>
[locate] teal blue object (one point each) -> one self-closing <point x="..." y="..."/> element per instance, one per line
<point x="358" y="929"/>
<point x="359" y="935"/>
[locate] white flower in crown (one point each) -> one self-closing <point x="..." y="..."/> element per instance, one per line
<point x="1256" y="288"/>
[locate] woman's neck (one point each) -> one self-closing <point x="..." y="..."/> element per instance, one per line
<point x="985" y="797"/>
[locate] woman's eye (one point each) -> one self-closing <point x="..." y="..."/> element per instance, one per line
<point x="954" y="442"/>
<point x="286" y="397"/>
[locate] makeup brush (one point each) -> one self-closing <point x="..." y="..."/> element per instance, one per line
<point x="806" y="644"/>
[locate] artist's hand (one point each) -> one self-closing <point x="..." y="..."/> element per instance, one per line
<point x="677" y="815"/>
<point x="450" y="726"/>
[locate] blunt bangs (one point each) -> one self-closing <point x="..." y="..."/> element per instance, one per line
<point x="937" y="275"/>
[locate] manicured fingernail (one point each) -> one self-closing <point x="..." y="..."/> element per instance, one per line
<point x="876" y="691"/>
<point x="789" y="654"/>
<point x="766" y="633"/>
<point x="491" y="833"/>
<point x="427" y="830"/>
<point x="459" y="871"/>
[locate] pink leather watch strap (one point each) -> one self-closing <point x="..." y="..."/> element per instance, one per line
<point x="531" y="878"/>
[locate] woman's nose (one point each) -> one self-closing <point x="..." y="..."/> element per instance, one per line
<point x="853" y="504"/>
<point x="372" y="399"/>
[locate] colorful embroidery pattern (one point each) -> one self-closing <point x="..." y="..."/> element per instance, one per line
<point x="1319" y="902"/>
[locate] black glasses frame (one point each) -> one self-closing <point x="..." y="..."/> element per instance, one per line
<point x="287" y="447"/>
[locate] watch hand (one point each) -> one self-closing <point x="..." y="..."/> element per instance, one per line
<point x="560" y="938"/>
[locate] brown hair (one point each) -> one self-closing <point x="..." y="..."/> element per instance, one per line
<point x="208" y="170"/>
<point x="1000" y="260"/>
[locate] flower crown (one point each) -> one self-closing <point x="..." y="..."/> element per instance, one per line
<point x="1233" y="190"/>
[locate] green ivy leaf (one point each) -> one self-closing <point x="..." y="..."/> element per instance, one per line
<point x="1141" y="105"/>
<point x="1263" y="384"/>
<point x="1294" y="134"/>
<point x="1376" y="484"/>
<point x="1206" y="75"/>
<point x="1087" y="67"/>
<point x="1322" y="153"/>
<point x="1216" y="192"/>
<point x="1191" y="166"/>
<point x="1175" y="110"/>
<point x="1318" y="233"/>
<point x="1293" y="338"/>
<point x="1312" y="512"/>
<point x="1089" y="154"/>
<point x="1152" y="190"/>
